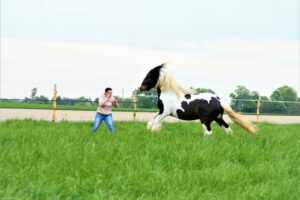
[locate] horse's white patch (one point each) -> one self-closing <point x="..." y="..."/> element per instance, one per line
<point x="171" y="103"/>
<point x="204" y="96"/>
<point x="227" y="130"/>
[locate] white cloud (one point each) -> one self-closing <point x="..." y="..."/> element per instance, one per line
<point x="274" y="48"/>
<point x="85" y="69"/>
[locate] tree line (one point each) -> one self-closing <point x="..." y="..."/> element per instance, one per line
<point x="282" y="100"/>
<point x="243" y="100"/>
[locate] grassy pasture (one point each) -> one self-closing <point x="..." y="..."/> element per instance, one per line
<point x="64" y="160"/>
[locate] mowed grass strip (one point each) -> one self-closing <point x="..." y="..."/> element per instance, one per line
<point x="21" y="105"/>
<point x="64" y="160"/>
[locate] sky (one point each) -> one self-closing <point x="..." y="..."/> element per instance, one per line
<point x="85" y="46"/>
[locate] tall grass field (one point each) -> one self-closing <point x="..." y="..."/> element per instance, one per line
<point x="64" y="160"/>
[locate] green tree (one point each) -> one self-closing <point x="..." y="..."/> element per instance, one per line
<point x="124" y="102"/>
<point x="147" y="102"/>
<point x="42" y="99"/>
<point x="152" y="92"/>
<point x="241" y="92"/>
<point x="146" y="99"/>
<point x="204" y="90"/>
<point x="264" y="98"/>
<point x="284" y="93"/>
<point x="83" y="101"/>
<point x="243" y="100"/>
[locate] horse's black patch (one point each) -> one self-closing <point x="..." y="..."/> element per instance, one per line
<point x="188" y="96"/>
<point x="200" y="109"/>
<point x="158" y="92"/>
<point x="221" y="122"/>
<point x="151" y="78"/>
<point x="160" y="106"/>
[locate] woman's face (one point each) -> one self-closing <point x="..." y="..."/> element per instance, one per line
<point x="108" y="93"/>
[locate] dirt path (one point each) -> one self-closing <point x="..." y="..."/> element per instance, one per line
<point x="72" y="115"/>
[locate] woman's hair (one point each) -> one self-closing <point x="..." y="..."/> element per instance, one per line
<point x="107" y="89"/>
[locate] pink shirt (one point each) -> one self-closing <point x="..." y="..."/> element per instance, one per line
<point x="105" y="104"/>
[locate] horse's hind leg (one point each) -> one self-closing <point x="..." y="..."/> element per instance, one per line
<point x="206" y="128"/>
<point x="224" y="125"/>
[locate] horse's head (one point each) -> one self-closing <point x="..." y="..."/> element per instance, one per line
<point x="151" y="78"/>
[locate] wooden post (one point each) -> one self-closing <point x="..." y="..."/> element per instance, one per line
<point x="258" y="108"/>
<point x="134" y="107"/>
<point x="54" y="104"/>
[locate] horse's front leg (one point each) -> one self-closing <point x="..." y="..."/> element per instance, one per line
<point x="156" y="123"/>
<point x="150" y="123"/>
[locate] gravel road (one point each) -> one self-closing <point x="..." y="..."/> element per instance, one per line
<point x="72" y="115"/>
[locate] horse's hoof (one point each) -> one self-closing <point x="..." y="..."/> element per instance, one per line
<point x="228" y="130"/>
<point x="156" y="128"/>
<point x="149" y="125"/>
<point x="207" y="132"/>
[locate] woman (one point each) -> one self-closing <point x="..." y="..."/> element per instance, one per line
<point x="104" y="110"/>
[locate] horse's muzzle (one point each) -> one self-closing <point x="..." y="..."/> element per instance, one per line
<point x="143" y="88"/>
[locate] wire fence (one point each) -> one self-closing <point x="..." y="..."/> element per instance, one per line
<point x="248" y="106"/>
<point x="266" y="107"/>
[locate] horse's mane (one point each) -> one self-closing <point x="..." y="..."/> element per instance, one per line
<point x="167" y="82"/>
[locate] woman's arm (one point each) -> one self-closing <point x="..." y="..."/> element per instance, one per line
<point x="101" y="101"/>
<point x="115" y="102"/>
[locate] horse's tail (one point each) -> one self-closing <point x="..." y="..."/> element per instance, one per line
<point x="239" y="120"/>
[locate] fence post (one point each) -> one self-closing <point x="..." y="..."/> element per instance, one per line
<point x="134" y="106"/>
<point x="54" y="104"/>
<point x="258" y="108"/>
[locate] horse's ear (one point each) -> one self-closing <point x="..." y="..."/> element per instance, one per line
<point x="157" y="68"/>
<point x="163" y="65"/>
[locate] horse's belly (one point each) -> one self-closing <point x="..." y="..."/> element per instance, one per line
<point x="186" y="115"/>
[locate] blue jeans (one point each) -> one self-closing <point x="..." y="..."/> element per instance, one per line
<point x="108" y="120"/>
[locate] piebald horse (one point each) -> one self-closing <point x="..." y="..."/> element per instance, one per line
<point x="183" y="103"/>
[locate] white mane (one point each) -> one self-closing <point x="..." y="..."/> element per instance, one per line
<point x="167" y="82"/>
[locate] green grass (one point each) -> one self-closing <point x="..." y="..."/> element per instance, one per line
<point x="64" y="160"/>
<point x="23" y="105"/>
